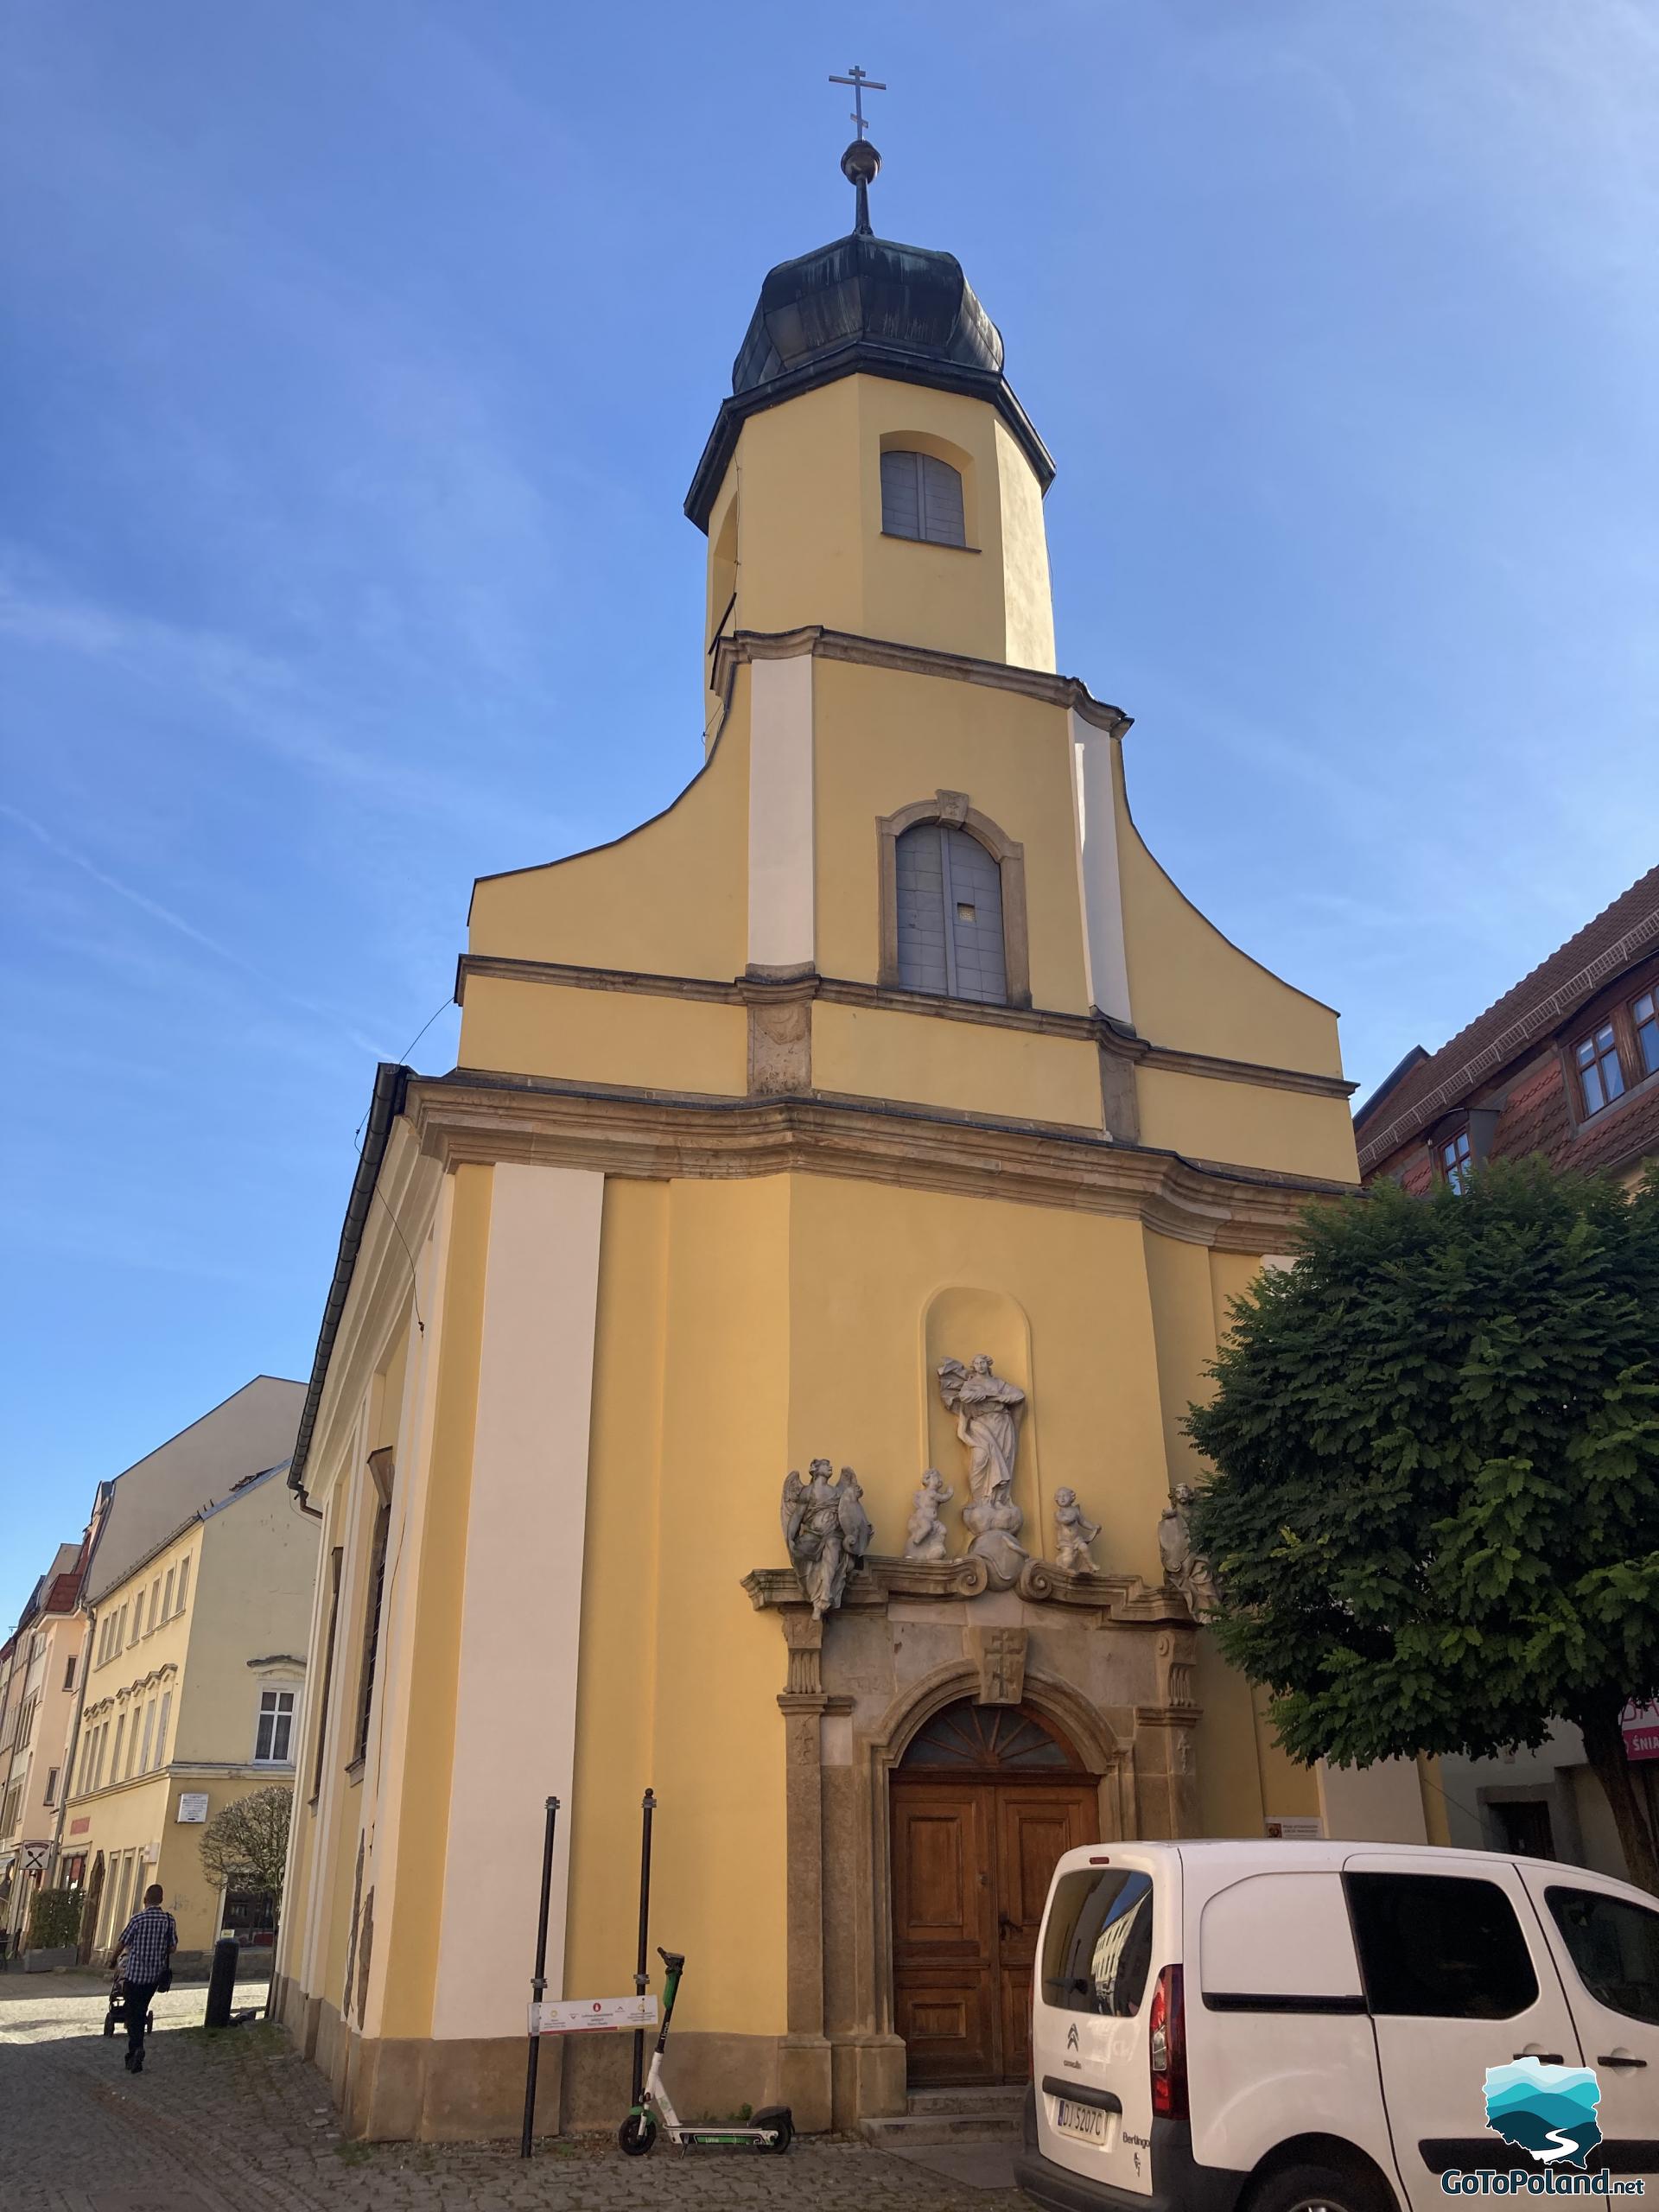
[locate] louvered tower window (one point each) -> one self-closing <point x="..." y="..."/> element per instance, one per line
<point x="921" y="497"/>
<point x="950" y="915"/>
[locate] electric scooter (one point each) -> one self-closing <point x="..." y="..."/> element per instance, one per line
<point x="772" y="2129"/>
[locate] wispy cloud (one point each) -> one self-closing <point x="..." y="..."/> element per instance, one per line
<point x="165" y="917"/>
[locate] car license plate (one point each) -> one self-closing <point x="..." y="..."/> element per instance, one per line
<point x="1086" y="2120"/>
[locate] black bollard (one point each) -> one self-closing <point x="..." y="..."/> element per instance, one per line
<point x="221" y="1984"/>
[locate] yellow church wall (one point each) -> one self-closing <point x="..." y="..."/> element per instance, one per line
<point x="1246" y="1125"/>
<point x="1027" y="591"/>
<point x="885" y="739"/>
<point x="914" y="1057"/>
<point x="1185" y="1331"/>
<point x="1229" y="1762"/>
<point x="1192" y="989"/>
<point x="334" y="1877"/>
<point x="611" y="1037"/>
<point x="1286" y="1787"/>
<point x="616" y="1691"/>
<point x="816" y="460"/>
<point x="668" y="898"/>
<point x="866" y="1265"/>
<point x="411" y="1948"/>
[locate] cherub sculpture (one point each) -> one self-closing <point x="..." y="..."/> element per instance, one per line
<point x="1073" y="1533"/>
<point x="925" y="1532"/>
<point x="826" y="1532"/>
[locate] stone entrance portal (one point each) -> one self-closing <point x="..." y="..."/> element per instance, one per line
<point x="983" y="1803"/>
<point x="881" y="1855"/>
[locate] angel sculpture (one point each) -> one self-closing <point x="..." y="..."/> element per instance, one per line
<point x="925" y="1532"/>
<point x="826" y="1532"/>
<point x="987" y="1412"/>
<point x="1073" y="1533"/>
<point x="1184" y="1569"/>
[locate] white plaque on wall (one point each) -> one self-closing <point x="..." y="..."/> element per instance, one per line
<point x="193" y="1804"/>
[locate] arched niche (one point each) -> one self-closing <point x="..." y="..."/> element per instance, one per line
<point x="959" y="1321"/>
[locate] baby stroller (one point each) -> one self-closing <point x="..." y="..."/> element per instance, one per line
<point x="116" y="2015"/>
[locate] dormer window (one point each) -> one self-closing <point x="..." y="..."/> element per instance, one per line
<point x="921" y="497"/>
<point x="1644" y="1019"/>
<point x="1600" y="1077"/>
<point x="1455" y="1162"/>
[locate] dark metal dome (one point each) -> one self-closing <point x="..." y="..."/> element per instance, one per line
<point x="862" y="305"/>
<point x="866" y="291"/>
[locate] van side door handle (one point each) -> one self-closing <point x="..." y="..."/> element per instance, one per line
<point x="1543" y="2057"/>
<point x="1619" y="2058"/>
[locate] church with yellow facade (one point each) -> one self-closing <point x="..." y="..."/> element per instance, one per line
<point x="880" y="1104"/>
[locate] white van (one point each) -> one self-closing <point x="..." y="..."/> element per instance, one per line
<point x="1305" y="2027"/>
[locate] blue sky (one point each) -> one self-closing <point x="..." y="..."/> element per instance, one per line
<point x="359" y="361"/>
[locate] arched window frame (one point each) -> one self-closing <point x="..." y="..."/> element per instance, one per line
<point x="953" y="809"/>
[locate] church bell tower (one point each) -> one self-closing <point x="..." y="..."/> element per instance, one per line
<point x="872" y="471"/>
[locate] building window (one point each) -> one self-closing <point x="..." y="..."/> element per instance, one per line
<point x="9" y="1812"/>
<point x="137" y="1617"/>
<point x="161" y="1720"/>
<point x="155" y="1602"/>
<point x="1454" y="1161"/>
<point x="950" y="893"/>
<point x="1644" y="1019"/>
<point x="69" y="1673"/>
<point x="1600" y="1077"/>
<point x="270" y="1743"/>
<point x="25" y="1724"/>
<point x="51" y="1784"/>
<point x="921" y="497"/>
<point x="142" y="1763"/>
<point x="167" y="1599"/>
<point x="184" y="1583"/>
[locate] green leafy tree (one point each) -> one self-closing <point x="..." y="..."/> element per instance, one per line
<point x="246" y="1841"/>
<point x="1435" y="1513"/>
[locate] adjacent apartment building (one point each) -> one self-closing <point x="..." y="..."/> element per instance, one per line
<point x="194" y="1683"/>
<point x="40" y="1678"/>
<point x="1566" y="1066"/>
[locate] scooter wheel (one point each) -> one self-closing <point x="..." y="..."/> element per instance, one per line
<point x="637" y="2134"/>
<point x="784" y="2138"/>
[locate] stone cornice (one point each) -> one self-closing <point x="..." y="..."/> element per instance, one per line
<point x="477" y="1115"/>
<point x="1114" y="1597"/>
<point x="746" y="991"/>
<point x="736" y="646"/>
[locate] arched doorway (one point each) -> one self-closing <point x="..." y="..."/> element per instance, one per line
<point x="983" y="1803"/>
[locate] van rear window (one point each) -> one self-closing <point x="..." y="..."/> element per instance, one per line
<point x="1440" y="1947"/>
<point x="1614" y="1945"/>
<point x="1098" y="1947"/>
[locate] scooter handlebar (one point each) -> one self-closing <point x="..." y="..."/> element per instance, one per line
<point x="674" y="1961"/>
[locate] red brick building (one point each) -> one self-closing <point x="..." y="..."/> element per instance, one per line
<point x="1565" y="1064"/>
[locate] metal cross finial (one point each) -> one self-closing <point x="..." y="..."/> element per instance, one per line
<point x="861" y="82"/>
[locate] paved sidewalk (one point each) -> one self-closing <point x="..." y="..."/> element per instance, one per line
<point x="240" y="2124"/>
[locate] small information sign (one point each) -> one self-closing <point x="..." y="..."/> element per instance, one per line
<point x="576" y="2016"/>
<point x="1642" y="1730"/>
<point x="1294" y="1828"/>
<point x="192" y="1805"/>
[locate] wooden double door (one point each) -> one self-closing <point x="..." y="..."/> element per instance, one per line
<point x="973" y="1846"/>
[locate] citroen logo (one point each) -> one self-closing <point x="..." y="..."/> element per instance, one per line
<point x="1071" y="2038"/>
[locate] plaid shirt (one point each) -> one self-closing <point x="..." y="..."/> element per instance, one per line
<point x="149" y="1939"/>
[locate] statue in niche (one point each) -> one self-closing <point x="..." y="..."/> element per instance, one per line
<point x="1073" y="1533"/>
<point x="826" y="1532"/>
<point x="987" y="1412"/>
<point x="1184" y="1569"/>
<point x="925" y="1533"/>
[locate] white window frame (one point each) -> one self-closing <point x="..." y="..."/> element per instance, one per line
<point x="275" y="1713"/>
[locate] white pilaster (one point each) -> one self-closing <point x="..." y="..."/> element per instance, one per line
<point x="521" y="1613"/>
<point x="1098" y="877"/>
<point x="781" y="874"/>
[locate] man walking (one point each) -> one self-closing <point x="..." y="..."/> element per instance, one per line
<point x="144" y="1955"/>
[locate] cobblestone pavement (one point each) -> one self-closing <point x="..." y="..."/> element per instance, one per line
<point x="240" y="2124"/>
